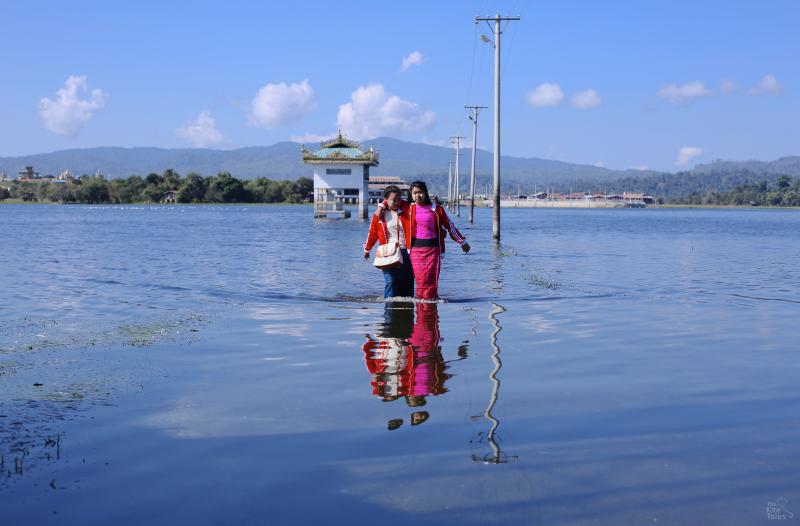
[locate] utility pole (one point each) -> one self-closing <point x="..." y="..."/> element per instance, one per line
<point x="457" y="141"/>
<point x="496" y="43"/>
<point x="474" y="119"/>
<point x="450" y="185"/>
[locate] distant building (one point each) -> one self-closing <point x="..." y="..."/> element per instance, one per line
<point x="638" y="198"/>
<point x="341" y="176"/>
<point x="65" y="176"/>
<point x="377" y="184"/>
<point x="170" y="196"/>
<point x="27" y="175"/>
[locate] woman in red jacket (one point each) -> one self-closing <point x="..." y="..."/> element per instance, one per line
<point x="428" y="227"/>
<point x="393" y="226"/>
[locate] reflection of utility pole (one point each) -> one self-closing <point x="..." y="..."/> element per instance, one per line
<point x="457" y="141"/>
<point x="496" y="456"/>
<point x="474" y="119"/>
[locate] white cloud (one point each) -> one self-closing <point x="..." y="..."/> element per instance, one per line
<point x="728" y="86"/>
<point x="640" y="167"/>
<point x="434" y="142"/>
<point x="201" y="132"/>
<point x="413" y="59"/>
<point x="769" y="85"/>
<point x="687" y="153"/>
<point x="373" y="112"/>
<point x="277" y="104"/>
<point x="311" y="137"/>
<point x="685" y="92"/>
<point x="600" y="164"/>
<point x="67" y="114"/>
<point x="586" y="99"/>
<point x="547" y="94"/>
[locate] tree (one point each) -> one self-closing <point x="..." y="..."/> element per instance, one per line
<point x="121" y="192"/>
<point x="298" y="190"/>
<point x="42" y="191"/>
<point x="24" y="191"/>
<point x="63" y="193"/>
<point x="193" y="189"/>
<point x="4" y="194"/>
<point x="224" y="188"/>
<point x="153" y="179"/>
<point x="94" y="190"/>
<point x="784" y="182"/>
<point x="263" y="190"/>
<point x="170" y="179"/>
<point x="136" y="186"/>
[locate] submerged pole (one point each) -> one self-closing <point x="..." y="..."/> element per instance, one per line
<point x="496" y="165"/>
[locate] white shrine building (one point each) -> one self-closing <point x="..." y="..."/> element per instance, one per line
<point x="341" y="176"/>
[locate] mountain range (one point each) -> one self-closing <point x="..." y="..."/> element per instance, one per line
<point x="405" y="159"/>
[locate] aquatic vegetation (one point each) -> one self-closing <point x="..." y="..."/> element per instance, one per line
<point x="543" y="282"/>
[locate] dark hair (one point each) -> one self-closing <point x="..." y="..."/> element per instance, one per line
<point x="422" y="186"/>
<point x="392" y="189"/>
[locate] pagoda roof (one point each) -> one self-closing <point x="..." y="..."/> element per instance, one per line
<point x="340" y="151"/>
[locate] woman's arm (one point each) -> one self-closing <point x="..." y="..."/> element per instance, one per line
<point x="455" y="234"/>
<point x="372" y="236"/>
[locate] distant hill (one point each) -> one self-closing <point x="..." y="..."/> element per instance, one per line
<point x="783" y="166"/>
<point x="409" y="161"/>
<point x="719" y="176"/>
<point x="282" y="161"/>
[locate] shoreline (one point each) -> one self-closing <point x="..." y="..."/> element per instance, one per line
<point x="477" y="205"/>
<point x="142" y="203"/>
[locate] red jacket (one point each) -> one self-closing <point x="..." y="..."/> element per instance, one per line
<point x="380" y="233"/>
<point x="443" y="225"/>
<point x="408" y="218"/>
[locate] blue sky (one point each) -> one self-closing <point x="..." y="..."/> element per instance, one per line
<point x="673" y="83"/>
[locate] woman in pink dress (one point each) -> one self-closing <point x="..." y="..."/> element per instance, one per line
<point x="429" y="227"/>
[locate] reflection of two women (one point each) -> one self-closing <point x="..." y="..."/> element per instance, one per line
<point x="405" y="359"/>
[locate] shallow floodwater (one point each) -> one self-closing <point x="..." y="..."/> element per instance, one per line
<point x="236" y="365"/>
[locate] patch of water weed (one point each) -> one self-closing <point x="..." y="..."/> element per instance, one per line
<point x="543" y="282"/>
<point x="34" y="335"/>
<point x="35" y="399"/>
<point x="27" y="434"/>
<point x="146" y="334"/>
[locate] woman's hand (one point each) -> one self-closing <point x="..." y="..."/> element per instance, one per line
<point x="366" y="254"/>
<point x="465" y="247"/>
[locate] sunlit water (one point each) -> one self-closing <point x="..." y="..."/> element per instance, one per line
<point x="236" y="365"/>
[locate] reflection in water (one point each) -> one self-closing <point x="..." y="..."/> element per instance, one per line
<point x="405" y="358"/>
<point x="496" y="456"/>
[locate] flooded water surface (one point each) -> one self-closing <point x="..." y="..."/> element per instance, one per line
<point x="237" y="365"/>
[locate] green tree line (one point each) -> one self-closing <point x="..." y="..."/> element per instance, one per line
<point x="194" y="188"/>
<point x="785" y="192"/>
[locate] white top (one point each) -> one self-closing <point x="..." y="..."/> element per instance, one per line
<point x="392" y="225"/>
